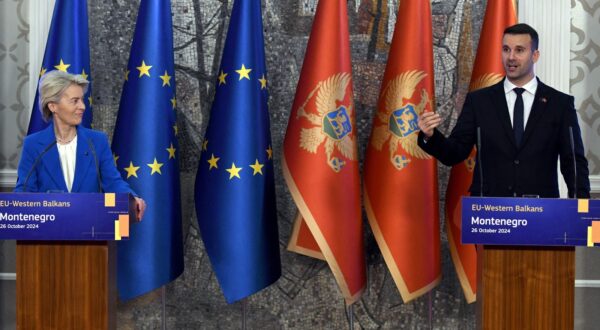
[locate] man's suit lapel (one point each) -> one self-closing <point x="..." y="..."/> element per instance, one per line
<point x="540" y="102"/>
<point x="50" y="160"/>
<point x="501" y="109"/>
<point x="83" y="161"/>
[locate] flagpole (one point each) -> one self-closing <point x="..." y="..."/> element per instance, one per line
<point x="163" y="294"/>
<point x="430" y="311"/>
<point x="350" y="314"/>
<point x="243" y="303"/>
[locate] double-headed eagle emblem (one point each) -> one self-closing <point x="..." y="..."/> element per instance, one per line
<point x="485" y="80"/>
<point x="333" y="121"/>
<point x="399" y="119"/>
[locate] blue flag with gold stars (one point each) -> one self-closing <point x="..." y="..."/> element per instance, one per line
<point x="235" y="191"/>
<point x="67" y="49"/>
<point x="145" y="152"/>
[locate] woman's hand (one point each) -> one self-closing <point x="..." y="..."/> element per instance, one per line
<point x="140" y="208"/>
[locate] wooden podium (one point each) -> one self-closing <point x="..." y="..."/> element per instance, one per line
<point x="525" y="287"/>
<point x="526" y="258"/>
<point x="66" y="285"/>
<point x="66" y="256"/>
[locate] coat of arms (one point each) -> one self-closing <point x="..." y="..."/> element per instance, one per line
<point x="485" y="80"/>
<point x="333" y="121"/>
<point x="398" y="121"/>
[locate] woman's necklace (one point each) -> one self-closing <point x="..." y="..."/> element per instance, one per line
<point x="65" y="141"/>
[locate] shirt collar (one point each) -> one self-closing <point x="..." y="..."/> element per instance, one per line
<point x="530" y="87"/>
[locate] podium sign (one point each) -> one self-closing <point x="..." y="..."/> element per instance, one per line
<point x="66" y="260"/>
<point x="526" y="258"/>
<point x="63" y="216"/>
<point x="530" y="221"/>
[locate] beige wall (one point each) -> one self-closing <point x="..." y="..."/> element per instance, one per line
<point x="585" y="86"/>
<point x="585" y="74"/>
<point x="14" y="78"/>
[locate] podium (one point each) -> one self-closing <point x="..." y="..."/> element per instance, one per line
<point x="525" y="287"/>
<point x="66" y="256"/>
<point x="526" y="258"/>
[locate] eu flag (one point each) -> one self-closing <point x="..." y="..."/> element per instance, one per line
<point x="68" y="50"/>
<point x="235" y="192"/>
<point x="145" y="151"/>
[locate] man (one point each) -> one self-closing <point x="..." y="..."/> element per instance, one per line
<point x="525" y="126"/>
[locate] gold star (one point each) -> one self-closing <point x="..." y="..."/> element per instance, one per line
<point x="83" y="74"/>
<point x="90" y="100"/>
<point x="175" y="129"/>
<point x="173" y="102"/>
<point x="115" y="157"/>
<point x="257" y="167"/>
<point x="213" y="162"/>
<point x="269" y="152"/>
<point x="62" y="66"/>
<point x="263" y="82"/>
<point x="42" y="72"/>
<point x="144" y="69"/>
<point x="171" y="151"/>
<point x="222" y="77"/>
<point x="243" y="72"/>
<point x="155" y="167"/>
<point x="126" y="74"/>
<point x="132" y="170"/>
<point x="204" y="145"/>
<point x="234" y="171"/>
<point x="166" y="79"/>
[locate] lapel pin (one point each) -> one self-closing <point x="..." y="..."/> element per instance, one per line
<point x="543" y="99"/>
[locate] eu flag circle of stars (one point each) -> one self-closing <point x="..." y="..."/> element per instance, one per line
<point x="213" y="162"/>
<point x="155" y="166"/>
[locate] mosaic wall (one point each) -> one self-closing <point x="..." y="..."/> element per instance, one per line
<point x="306" y="296"/>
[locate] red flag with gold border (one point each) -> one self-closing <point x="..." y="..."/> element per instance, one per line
<point x="320" y="157"/>
<point x="401" y="189"/>
<point x="487" y="70"/>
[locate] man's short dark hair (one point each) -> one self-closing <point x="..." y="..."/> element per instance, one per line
<point x="523" y="28"/>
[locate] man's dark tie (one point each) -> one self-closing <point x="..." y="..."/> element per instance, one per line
<point x="518" y="120"/>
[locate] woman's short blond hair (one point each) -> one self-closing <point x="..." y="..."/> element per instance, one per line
<point x="53" y="84"/>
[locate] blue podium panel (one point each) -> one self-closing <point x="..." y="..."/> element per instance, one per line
<point x="63" y="216"/>
<point x="530" y="221"/>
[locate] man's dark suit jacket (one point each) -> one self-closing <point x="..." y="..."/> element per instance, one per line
<point x="508" y="170"/>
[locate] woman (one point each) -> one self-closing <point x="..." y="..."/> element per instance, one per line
<point x="67" y="156"/>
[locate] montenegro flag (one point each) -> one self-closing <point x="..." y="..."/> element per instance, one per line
<point x="320" y="157"/>
<point x="401" y="191"/>
<point x="487" y="71"/>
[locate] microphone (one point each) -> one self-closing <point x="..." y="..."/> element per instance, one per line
<point x="572" y="141"/>
<point x="36" y="162"/>
<point x="480" y="167"/>
<point x="98" y="175"/>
